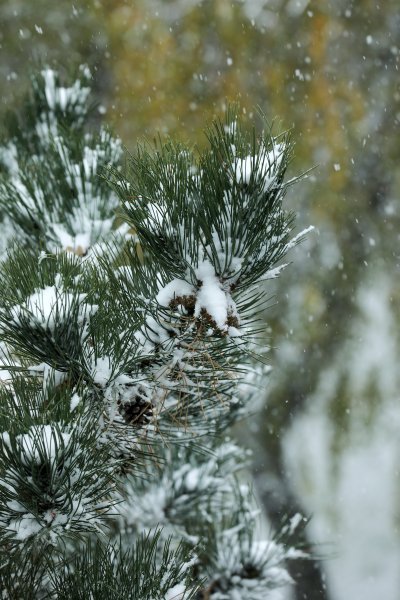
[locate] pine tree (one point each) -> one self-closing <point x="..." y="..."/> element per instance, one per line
<point x="130" y="293"/>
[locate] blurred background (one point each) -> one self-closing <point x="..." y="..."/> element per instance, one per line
<point x="329" y="442"/>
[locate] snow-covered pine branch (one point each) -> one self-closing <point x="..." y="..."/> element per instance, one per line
<point x="51" y="191"/>
<point x="128" y="316"/>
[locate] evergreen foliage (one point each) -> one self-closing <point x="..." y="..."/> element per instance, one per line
<point x="128" y="313"/>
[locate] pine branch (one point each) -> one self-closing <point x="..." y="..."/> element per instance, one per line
<point x="129" y="312"/>
<point x="110" y="572"/>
